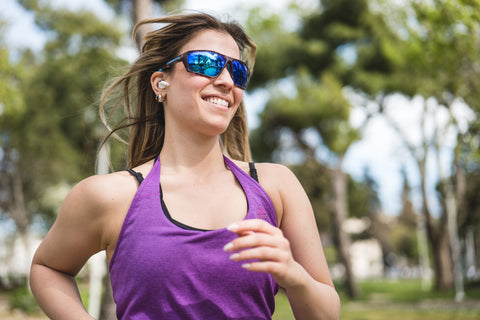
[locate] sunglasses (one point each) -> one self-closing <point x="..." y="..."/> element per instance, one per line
<point x="210" y="64"/>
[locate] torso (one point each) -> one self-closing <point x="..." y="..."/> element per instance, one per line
<point x="205" y="199"/>
<point x="202" y="281"/>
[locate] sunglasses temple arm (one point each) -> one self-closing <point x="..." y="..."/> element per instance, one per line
<point x="167" y="65"/>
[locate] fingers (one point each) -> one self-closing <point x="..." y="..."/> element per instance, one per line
<point x="255" y="225"/>
<point x="260" y="244"/>
<point x="261" y="254"/>
<point x="255" y="239"/>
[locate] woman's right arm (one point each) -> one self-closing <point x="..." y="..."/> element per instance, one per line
<point x="76" y="235"/>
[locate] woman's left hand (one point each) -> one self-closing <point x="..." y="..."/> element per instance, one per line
<point x="258" y="240"/>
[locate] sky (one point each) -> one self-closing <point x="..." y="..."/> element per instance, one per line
<point x="380" y="149"/>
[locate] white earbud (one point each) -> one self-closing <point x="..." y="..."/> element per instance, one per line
<point x="163" y="84"/>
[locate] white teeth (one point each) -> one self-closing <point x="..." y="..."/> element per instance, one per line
<point x="218" y="101"/>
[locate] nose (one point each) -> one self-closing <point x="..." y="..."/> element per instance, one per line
<point x="224" y="78"/>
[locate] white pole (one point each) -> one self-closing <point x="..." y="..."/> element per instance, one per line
<point x="422" y="243"/>
<point x="97" y="263"/>
<point x="470" y="254"/>
<point x="451" y="208"/>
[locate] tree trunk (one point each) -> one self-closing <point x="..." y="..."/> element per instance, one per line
<point x="451" y="210"/>
<point x="108" y="310"/>
<point x="439" y="243"/>
<point x="107" y="304"/>
<point x="141" y="11"/>
<point x="12" y="200"/>
<point x="422" y="243"/>
<point x="442" y="260"/>
<point x="437" y="233"/>
<point x="340" y="215"/>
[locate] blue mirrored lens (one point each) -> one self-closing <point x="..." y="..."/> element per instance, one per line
<point x="211" y="64"/>
<point x="206" y="63"/>
<point x="239" y="73"/>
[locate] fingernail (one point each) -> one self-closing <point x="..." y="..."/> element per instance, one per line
<point x="246" y="265"/>
<point x="228" y="247"/>
<point x="234" y="256"/>
<point x="232" y="227"/>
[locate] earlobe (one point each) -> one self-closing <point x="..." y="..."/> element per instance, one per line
<point x="159" y="85"/>
<point x="160" y="98"/>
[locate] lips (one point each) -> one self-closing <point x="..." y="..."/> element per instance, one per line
<point x="217" y="100"/>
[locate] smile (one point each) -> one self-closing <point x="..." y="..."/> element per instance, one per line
<point x="219" y="101"/>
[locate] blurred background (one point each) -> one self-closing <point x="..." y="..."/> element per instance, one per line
<point x="373" y="105"/>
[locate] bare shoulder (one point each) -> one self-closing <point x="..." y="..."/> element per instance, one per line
<point x="101" y="191"/>
<point x="97" y="204"/>
<point x="89" y="221"/>
<point x="277" y="180"/>
<point x="269" y="173"/>
<point x="274" y="172"/>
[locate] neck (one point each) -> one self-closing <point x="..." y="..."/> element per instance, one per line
<point x="186" y="153"/>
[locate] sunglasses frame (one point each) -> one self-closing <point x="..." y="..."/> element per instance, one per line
<point x="228" y="61"/>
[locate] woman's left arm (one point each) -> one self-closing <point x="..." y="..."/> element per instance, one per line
<point x="292" y="253"/>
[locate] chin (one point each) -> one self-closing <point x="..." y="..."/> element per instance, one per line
<point x="214" y="130"/>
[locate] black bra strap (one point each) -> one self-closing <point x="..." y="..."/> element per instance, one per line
<point x="253" y="171"/>
<point x="137" y="175"/>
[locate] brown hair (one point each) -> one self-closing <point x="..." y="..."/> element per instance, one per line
<point x="144" y="116"/>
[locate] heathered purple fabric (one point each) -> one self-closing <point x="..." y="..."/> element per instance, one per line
<point x="162" y="271"/>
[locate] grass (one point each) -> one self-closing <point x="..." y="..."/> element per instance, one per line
<point x="397" y="300"/>
<point x="379" y="299"/>
<point x="282" y="307"/>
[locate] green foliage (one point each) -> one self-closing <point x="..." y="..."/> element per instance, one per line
<point x="363" y="199"/>
<point x="305" y="73"/>
<point x="315" y="179"/>
<point x="405" y="243"/>
<point x="444" y="48"/>
<point x="405" y="299"/>
<point x="283" y="310"/>
<point x="11" y="102"/>
<point x="316" y="104"/>
<point x="22" y="299"/>
<point x="403" y="290"/>
<point x="53" y="123"/>
<point x="125" y="5"/>
<point x="277" y="47"/>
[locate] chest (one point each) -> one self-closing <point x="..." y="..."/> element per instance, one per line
<point x="211" y="204"/>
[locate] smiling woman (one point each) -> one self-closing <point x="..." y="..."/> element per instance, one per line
<point x="193" y="229"/>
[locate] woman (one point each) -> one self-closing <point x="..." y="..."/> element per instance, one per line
<point x="188" y="230"/>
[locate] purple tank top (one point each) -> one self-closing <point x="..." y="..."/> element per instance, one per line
<point x="161" y="270"/>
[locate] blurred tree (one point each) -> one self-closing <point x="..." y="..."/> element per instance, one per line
<point x="318" y="187"/>
<point x="405" y="237"/>
<point x="439" y="44"/>
<point x="59" y="134"/>
<point x="467" y="184"/>
<point x="142" y="10"/>
<point x="50" y="127"/>
<point x="310" y="107"/>
<point x="12" y="105"/>
<point x="317" y="115"/>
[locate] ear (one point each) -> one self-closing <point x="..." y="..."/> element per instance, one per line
<point x="155" y="80"/>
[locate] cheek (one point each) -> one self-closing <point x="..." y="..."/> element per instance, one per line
<point x="238" y="95"/>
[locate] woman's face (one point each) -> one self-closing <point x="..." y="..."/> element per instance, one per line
<point x="195" y="102"/>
